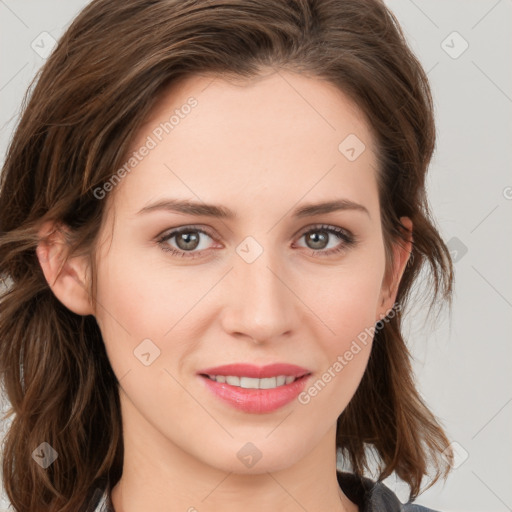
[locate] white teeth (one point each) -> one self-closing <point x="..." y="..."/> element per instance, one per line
<point x="253" y="383"/>
<point x="267" y="383"/>
<point x="249" y="383"/>
<point x="233" y="381"/>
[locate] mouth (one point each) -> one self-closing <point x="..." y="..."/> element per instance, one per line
<point x="254" y="389"/>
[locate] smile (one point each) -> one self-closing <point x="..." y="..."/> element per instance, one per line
<point x="253" y="383"/>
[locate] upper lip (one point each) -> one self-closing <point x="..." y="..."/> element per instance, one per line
<point x="258" y="372"/>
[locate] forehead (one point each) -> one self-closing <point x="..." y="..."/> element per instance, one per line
<point x="278" y="135"/>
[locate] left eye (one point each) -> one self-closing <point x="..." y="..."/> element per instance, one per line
<point x="188" y="240"/>
<point x="320" y="237"/>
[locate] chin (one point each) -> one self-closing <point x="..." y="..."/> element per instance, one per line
<point x="248" y="459"/>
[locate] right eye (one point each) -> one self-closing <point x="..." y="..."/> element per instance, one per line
<point x="187" y="240"/>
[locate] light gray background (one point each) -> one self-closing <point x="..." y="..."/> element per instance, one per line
<point x="463" y="365"/>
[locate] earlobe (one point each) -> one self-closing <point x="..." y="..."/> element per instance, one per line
<point x="401" y="253"/>
<point x="67" y="279"/>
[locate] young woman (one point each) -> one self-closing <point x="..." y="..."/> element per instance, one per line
<point x="212" y="214"/>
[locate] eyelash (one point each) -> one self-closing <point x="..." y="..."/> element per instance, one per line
<point x="346" y="236"/>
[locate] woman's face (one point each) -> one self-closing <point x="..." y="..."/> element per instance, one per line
<point x="276" y="279"/>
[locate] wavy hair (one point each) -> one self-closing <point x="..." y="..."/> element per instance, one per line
<point x="79" y="117"/>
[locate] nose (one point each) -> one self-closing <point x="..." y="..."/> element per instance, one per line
<point x="260" y="304"/>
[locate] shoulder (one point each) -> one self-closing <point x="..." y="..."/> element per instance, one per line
<point x="372" y="496"/>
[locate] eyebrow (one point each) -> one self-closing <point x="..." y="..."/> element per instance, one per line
<point x="212" y="210"/>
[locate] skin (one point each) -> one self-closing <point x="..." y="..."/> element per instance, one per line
<point x="260" y="148"/>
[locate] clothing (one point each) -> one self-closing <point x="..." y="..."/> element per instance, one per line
<point x="368" y="495"/>
<point x="372" y="496"/>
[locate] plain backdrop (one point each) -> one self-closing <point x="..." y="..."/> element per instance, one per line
<point x="463" y="364"/>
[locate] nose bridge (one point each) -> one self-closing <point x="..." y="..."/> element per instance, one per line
<point x="260" y="304"/>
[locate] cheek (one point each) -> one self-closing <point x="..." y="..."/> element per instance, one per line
<point x="138" y="297"/>
<point x="347" y="308"/>
<point x="127" y="309"/>
<point x="140" y="300"/>
<point x="348" y="301"/>
<point x="346" y="347"/>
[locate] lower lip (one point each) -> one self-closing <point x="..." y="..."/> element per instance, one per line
<point x="256" y="400"/>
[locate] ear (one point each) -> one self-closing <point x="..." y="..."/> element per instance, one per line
<point x="67" y="279"/>
<point x="401" y="252"/>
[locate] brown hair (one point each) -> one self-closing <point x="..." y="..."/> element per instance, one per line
<point x="80" y="115"/>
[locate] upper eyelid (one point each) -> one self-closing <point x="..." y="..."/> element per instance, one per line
<point x="170" y="233"/>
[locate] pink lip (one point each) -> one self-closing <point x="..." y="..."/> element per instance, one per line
<point x="258" y="372"/>
<point x="256" y="400"/>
